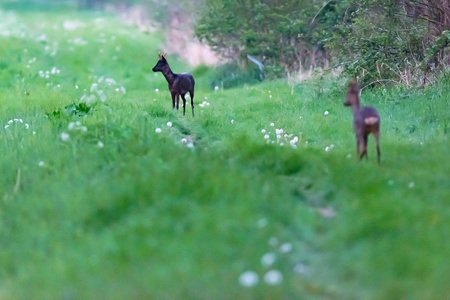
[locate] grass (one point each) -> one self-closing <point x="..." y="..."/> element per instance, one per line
<point x="145" y="216"/>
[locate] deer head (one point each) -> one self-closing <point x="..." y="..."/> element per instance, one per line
<point x="352" y="95"/>
<point x="161" y="62"/>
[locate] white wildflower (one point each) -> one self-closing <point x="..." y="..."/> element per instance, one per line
<point x="169" y="124"/>
<point x="266" y="136"/>
<point x="158" y="130"/>
<point x="100" y="144"/>
<point x="263" y="131"/>
<point x="41" y="164"/>
<point x="272" y="124"/>
<point x="326" y="113"/>
<point x="94" y="87"/>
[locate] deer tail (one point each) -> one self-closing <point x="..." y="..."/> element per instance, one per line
<point x="371" y="120"/>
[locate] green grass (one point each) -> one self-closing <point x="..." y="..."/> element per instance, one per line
<point x="146" y="217"/>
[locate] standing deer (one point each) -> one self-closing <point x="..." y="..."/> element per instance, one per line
<point x="365" y="121"/>
<point x="179" y="84"/>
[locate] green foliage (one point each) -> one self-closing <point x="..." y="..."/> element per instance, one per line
<point x="285" y="35"/>
<point x="382" y="41"/>
<point x="79" y="110"/>
<point x="231" y="75"/>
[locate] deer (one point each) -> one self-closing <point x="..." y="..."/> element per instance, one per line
<point x="179" y="84"/>
<point x="366" y="120"/>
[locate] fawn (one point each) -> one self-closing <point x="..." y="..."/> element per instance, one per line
<point x="179" y="84"/>
<point x="365" y="121"/>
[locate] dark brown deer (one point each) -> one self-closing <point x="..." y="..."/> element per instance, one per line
<point x="179" y="84"/>
<point x="365" y="121"/>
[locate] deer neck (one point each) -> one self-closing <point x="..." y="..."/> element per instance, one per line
<point x="355" y="108"/>
<point x="168" y="74"/>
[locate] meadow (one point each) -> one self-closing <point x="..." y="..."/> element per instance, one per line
<point x="108" y="193"/>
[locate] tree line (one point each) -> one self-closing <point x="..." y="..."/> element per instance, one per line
<point x="400" y="41"/>
<point x="378" y="41"/>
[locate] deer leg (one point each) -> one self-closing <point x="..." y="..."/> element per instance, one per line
<point x="364" y="148"/>
<point x="173" y="100"/>
<point x="376" y="134"/>
<point x="178" y="100"/>
<point x="191" y="93"/>
<point x="184" y="103"/>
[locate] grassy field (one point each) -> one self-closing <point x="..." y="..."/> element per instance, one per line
<point x="102" y="199"/>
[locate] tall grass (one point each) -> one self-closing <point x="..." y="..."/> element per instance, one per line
<point x="110" y="208"/>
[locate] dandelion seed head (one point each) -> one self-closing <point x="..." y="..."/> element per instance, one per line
<point x="169" y="124"/>
<point x="326" y="113"/>
<point x="158" y="130"/>
<point x="248" y="279"/>
<point x="273" y="277"/>
<point x="272" y="124"/>
<point x="266" y="136"/>
<point x="100" y="144"/>
<point x="262" y="222"/>
<point x="263" y="131"/>
<point x="41" y="164"/>
<point x="273" y="241"/>
<point x="157" y="90"/>
<point x="300" y="268"/>
<point x="286" y="247"/>
<point x="65" y="136"/>
<point x="268" y="259"/>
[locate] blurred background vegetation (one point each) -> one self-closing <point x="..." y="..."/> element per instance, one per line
<point x="388" y="41"/>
